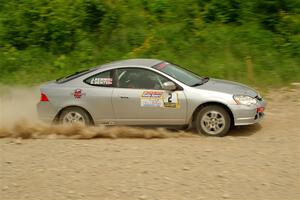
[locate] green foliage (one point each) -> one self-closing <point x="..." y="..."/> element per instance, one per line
<point x="221" y="11"/>
<point x="43" y="40"/>
<point x="54" y="24"/>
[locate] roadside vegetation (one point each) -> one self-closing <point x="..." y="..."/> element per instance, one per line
<point x="251" y="41"/>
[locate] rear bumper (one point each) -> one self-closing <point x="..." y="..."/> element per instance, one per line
<point x="245" y="115"/>
<point x="46" y="112"/>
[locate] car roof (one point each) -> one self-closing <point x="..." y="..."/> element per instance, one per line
<point x="141" y="62"/>
<point x="134" y="62"/>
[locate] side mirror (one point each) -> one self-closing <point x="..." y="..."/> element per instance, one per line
<point x="169" y="86"/>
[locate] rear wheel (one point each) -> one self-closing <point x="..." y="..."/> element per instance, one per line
<point x="74" y="115"/>
<point x="213" y="120"/>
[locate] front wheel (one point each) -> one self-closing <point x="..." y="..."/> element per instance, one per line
<point x="74" y="115"/>
<point x="213" y="120"/>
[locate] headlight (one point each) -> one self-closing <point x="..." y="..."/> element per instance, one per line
<point x="244" y="100"/>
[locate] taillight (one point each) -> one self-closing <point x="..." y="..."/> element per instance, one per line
<point x="260" y="109"/>
<point x="44" y="97"/>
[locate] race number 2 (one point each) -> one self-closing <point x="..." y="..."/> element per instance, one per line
<point x="171" y="100"/>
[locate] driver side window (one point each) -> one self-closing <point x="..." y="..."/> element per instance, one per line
<point x="139" y="78"/>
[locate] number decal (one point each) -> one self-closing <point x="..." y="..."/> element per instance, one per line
<point x="170" y="98"/>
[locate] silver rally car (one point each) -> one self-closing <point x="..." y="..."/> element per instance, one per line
<point x="149" y="92"/>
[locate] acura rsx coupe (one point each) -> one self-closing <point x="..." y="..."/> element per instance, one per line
<point x="149" y="92"/>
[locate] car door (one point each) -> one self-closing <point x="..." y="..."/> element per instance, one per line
<point x="138" y="98"/>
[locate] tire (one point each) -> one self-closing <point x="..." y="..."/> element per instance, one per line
<point x="73" y="115"/>
<point x="213" y="120"/>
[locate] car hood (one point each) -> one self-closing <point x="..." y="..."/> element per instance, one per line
<point x="228" y="87"/>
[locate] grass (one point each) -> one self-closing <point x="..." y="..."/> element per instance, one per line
<point x="245" y="52"/>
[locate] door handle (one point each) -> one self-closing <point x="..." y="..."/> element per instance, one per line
<point x="123" y="97"/>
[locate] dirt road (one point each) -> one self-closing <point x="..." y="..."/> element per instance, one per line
<point x="254" y="162"/>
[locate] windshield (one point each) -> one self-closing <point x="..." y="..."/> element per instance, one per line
<point x="179" y="74"/>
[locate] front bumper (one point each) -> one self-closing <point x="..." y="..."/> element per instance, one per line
<point x="245" y="115"/>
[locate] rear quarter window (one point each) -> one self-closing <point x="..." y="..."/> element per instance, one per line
<point x="102" y="79"/>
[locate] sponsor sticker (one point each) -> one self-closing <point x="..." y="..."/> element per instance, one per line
<point x="161" y="65"/>
<point x="151" y="99"/>
<point x="78" y="93"/>
<point x="159" y="99"/>
<point x="152" y="94"/>
<point x="102" y="81"/>
<point x="151" y="103"/>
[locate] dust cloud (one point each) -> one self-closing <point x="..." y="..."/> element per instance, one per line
<point x="36" y="130"/>
<point x="18" y="119"/>
<point x="18" y="103"/>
